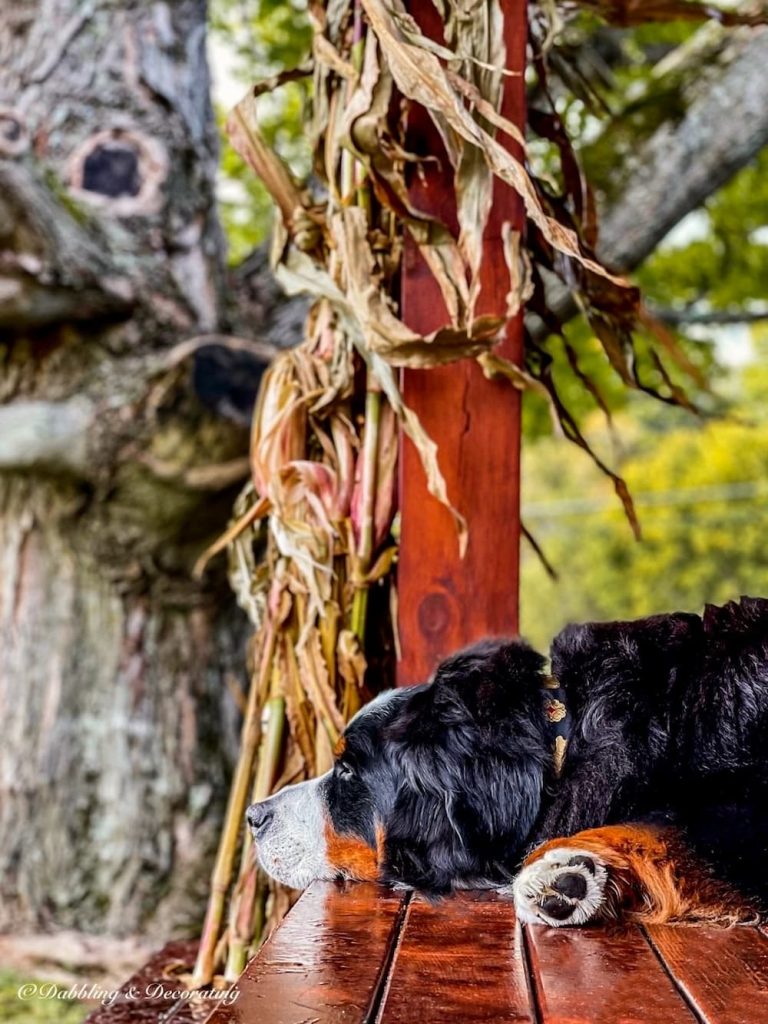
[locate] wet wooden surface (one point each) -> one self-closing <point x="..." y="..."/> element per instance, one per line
<point x="599" y="976"/>
<point x="326" y="963"/>
<point x="458" y="960"/>
<point x="362" y="954"/>
<point x="723" y="973"/>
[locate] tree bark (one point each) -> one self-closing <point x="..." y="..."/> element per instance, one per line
<point x="117" y="669"/>
<point x="684" y="163"/>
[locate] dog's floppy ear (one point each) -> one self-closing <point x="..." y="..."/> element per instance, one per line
<point x="491" y="678"/>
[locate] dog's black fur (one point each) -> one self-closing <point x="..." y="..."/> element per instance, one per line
<point x="669" y="720"/>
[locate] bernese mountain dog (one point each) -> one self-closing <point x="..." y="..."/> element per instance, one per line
<point x="630" y="783"/>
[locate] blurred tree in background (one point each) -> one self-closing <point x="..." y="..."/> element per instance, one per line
<point x="700" y="484"/>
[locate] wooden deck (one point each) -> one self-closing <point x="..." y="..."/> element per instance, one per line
<point x="367" y="955"/>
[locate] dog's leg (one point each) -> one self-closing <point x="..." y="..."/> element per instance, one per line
<point x="622" y="872"/>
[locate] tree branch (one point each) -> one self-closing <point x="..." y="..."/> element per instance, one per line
<point x="683" y="164"/>
<point x="680" y="166"/>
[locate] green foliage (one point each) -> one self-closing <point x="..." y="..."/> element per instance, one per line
<point x="702" y="496"/>
<point x="35" y="1010"/>
<point x="266" y="35"/>
<point x="260" y="38"/>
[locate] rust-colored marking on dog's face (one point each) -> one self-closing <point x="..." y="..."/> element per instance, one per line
<point x="341" y="746"/>
<point x="353" y="856"/>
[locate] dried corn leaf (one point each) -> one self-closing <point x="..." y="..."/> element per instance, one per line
<point x="678" y="395"/>
<point x="294" y="770"/>
<point x="586" y="380"/>
<point x="421" y="77"/>
<point x="475" y="31"/>
<point x="381" y="567"/>
<point x="301" y="722"/>
<point x="425" y="446"/>
<point x="326" y="53"/>
<point x="472" y="24"/>
<point x="667" y="339"/>
<point x="365" y="129"/>
<point x="328" y="627"/>
<point x="549" y="569"/>
<point x="617" y="345"/>
<point x="485" y="107"/>
<point x="365" y="309"/>
<point x="257" y="511"/>
<point x="548" y="125"/>
<point x="518" y="262"/>
<point x="315" y="680"/>
<point x="352" y="667"/>
<point x="571" y="431"/>
<point x="243" y="132"/>
<point x="278" y="434"/>
<point x="386" y="475"/>
<point x="494" y="365"/>
<point x="382" y="331"/>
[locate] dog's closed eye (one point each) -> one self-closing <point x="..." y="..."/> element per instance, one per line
<point x="344" y="771"/>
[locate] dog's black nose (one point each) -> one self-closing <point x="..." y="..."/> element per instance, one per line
<point x="571" y="884"/>
<point x="258" y="816"/>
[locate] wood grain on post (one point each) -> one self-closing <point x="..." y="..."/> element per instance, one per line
<point x="445" y="601"/>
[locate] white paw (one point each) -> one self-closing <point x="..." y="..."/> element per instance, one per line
<point x="565" y="886"/>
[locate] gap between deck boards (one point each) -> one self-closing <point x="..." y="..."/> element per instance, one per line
<point x="364" y="954"/>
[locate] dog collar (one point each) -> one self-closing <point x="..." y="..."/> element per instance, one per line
<point x="558" y="721"/>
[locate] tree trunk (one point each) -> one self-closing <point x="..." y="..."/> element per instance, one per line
<point x="118" y="671"/>
<point x="113" y="698"/>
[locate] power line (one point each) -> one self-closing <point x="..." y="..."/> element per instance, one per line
<point x="563" y="507"/>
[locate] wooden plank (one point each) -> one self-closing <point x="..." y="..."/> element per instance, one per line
<point x="724" y="973"/>
<point x="458" y="960"/>
<point x="446" y="602"/>
<point x="601" y="976"/>
<point x="143" y="998"/>
<point x="324" y="963"/>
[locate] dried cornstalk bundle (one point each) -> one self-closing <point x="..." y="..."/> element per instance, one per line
<point x="322" y="496"/>
<point x="321" y="515"/>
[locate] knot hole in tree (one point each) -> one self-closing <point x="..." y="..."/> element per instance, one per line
<point x="121" y="169"/>
<point x="112" y="169"/>
<point x="13" y="135"/>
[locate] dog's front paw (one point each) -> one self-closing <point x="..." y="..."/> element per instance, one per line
<point x="565" y="886"/>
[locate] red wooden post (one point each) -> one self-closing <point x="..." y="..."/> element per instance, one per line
<point x="446" y="602"/>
